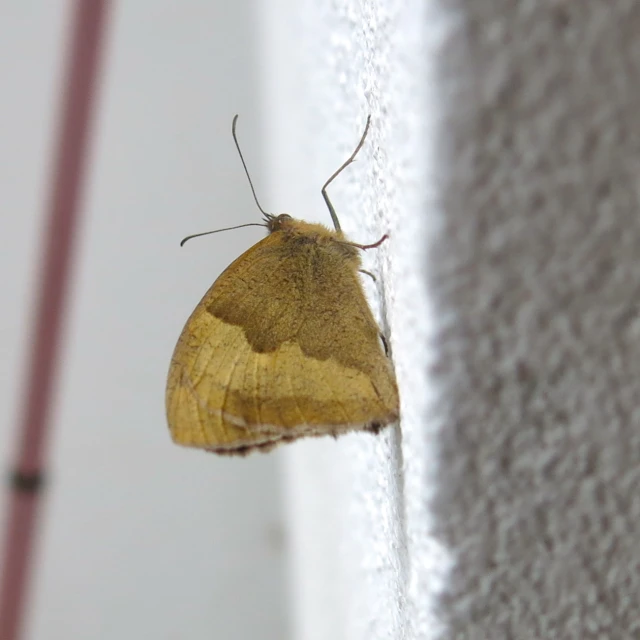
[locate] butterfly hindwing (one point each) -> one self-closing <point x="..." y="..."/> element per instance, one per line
<point x="283" y="345"/>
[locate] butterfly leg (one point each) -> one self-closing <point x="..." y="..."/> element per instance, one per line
<point x="385" y="344"/>
<point x="368" y="273"/>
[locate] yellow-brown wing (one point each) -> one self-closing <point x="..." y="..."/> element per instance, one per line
<point x="283" y="345"/>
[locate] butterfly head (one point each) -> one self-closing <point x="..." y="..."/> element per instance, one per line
<point x="280" y="222"/>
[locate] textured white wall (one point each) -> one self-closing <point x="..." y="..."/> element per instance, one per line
<point x="140" y="539"/>
<point x="503" y="159"/>
<point x="365" y="563"/>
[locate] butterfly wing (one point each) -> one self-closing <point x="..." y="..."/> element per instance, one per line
<point x="283" y="345"/>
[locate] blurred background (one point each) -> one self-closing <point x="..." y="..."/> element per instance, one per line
<point x="137" y="538"/>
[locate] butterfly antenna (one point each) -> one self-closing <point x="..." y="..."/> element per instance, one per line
<point x="208" y="233"/>
<point x="352" y="157"/>
<point x="267" y="216"/>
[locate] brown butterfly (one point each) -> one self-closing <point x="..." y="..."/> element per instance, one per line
<point x="283" y="345"/>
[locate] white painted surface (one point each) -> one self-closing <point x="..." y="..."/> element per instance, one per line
<point x="365" y="563"/>
<point x="503" y="158"/>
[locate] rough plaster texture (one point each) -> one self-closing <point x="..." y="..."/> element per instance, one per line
<point x="365" y="563"/>
<point x="503" y="158"/>
<point x="536" y="277"/>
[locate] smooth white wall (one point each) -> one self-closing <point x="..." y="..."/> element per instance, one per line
<point x="139" y="539"/>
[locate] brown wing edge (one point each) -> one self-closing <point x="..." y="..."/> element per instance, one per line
<point x="244" y="449"/>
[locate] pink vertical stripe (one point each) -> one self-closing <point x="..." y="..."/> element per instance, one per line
<point x="63" y="215"/>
